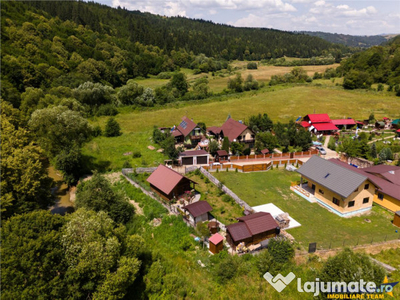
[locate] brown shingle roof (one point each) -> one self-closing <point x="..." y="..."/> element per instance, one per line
<point x="186" y="126"/>
<point x="198" y="208"/>
<point x="265" y="151"/>
<point x="232" y="129"/>
<point x="238" y="231"/>
<point x="251" y="225"/>
<point x="214" y="129"/>
<point x="165" y="179"/>
<point x="222" y="153"/>
<point x="194" y="153"/>
<point x="259" y="222"/>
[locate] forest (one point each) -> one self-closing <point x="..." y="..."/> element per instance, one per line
<point x="67" y="63"/>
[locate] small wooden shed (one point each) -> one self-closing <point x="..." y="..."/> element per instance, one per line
<point x="216" y="243"/>
<point x="396" y="220"/>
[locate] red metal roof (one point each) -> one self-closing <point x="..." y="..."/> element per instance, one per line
<point x="359" y="122"/>
<point x="325" y="126"/>
<point x="165" y="179"/>
<point x="344" y="122"/>
<point x="305" y="124"/>
<point x="194" y="153"/>
<point x="186" y="126"/>
<point x="319" y="118"/>
<point x="232" y="129"/>
<point x="198" y="208"/>
<point x="216" y="239"/>
<point x="258" y="222"/>
<point x="176" y="133"/>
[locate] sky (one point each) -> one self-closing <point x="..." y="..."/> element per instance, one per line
<point x="353" y="17"/>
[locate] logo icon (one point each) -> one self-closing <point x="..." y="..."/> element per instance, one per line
<point x="279" y="282"/>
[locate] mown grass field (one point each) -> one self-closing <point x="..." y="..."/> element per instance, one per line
<point x="219" y="82"/>
<point x="318" y="224"/>
<point x="281" y="103"/>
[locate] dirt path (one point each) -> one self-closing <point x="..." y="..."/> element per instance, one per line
<point x="385" y="138"/>
<point x="138" y="209"/>
<point x="368" y="249"/>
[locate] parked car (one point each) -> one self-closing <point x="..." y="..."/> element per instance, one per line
<point x="321" y="150"/>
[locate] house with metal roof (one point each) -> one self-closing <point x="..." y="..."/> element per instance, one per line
<point x="337" y="188"/>
<point x="187" y="132"/>
<point x="252" y="229"/>
<point x="169" y="184"/>
<point x="319" y="124"/>
<point x="387" y="180"/>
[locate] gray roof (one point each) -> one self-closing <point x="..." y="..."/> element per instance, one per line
<point x="332" y="176"/>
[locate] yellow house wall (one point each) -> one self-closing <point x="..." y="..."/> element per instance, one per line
<point x="246" y="134"/>
<point x="357" y="196"/>
<point x="387" y="202"/>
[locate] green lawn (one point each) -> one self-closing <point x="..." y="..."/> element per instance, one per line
<point x="318" y="224"/>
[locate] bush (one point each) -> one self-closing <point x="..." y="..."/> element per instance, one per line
<point x="127" y="165"/>
<point x="281" y="250"/>
<point x="107" y="110"/>
<point x="112" y="128"/>
<point x="252" y="66"/>
<point x="96" y="131"/>
<point x="164" y="75"/>
<point x="136" y="154"/>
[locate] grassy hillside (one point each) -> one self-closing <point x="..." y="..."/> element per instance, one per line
<point x="281" y="103"/>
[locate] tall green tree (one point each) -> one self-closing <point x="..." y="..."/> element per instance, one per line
<point x="32" y="258"/>
<point x="225" y="144"/>
<point x="179" y="82"/>
<point x="25" y="185"/>
<point x="97" y="194"/>
<point x="112" y="128"/>
<point x="103" y="261"/>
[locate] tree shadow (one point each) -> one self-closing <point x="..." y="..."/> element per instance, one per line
<point x="90" y="163"/>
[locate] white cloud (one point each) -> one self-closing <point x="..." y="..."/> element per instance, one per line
<point x="319" y="3"/>
<point x="342" y="6"/>
<point x="169" y="8"/>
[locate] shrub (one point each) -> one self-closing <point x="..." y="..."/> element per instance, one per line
<point x="164" y="75"/>
<point x="107" y="110"/>
<point x="252" y="66"/>
<point x="96" y="131"/>
<point x="136" y="154"/>
<point x="127" y="164"/>
<point x="281" y="250"/>
<point x="112" y="128"/>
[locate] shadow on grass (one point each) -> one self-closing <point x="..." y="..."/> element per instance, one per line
<point x="90" y="163"/>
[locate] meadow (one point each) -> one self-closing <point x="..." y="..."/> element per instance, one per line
<point x="282" y="103"/>
<point x="318" y="224"/>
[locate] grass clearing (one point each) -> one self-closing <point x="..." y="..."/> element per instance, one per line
<point x="225" y="212"/>
<point x="281" y="103"/>
<point x="318" y="224"/>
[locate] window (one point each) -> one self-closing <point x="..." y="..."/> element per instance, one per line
<point x="336" y="201"/>
<point x="380" y="196"/>
<point x="313" y="187"/>
<point x="366" y="187"/>
<point x="356" y="190"/>
<point x="366" y="200"/>
<point x="351" y="203"/>
<point x="321" y="191"/>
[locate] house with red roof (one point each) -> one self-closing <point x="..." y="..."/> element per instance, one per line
<point x="252" y="229"/>
<point x="187" y="132"/>
<point x="344" y="123"/>
<point x="235" y="131"/>
<point x="169" y="184"/>
<point x="198" y="211"/>
<point x="319" y="124"/>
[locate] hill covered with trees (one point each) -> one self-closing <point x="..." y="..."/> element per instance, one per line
<point x="361" y="41"/>
<point x="66" y="43"/>
<point x="379" y="64"/>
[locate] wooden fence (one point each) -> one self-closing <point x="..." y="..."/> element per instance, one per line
<point x="293" y="155"/>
